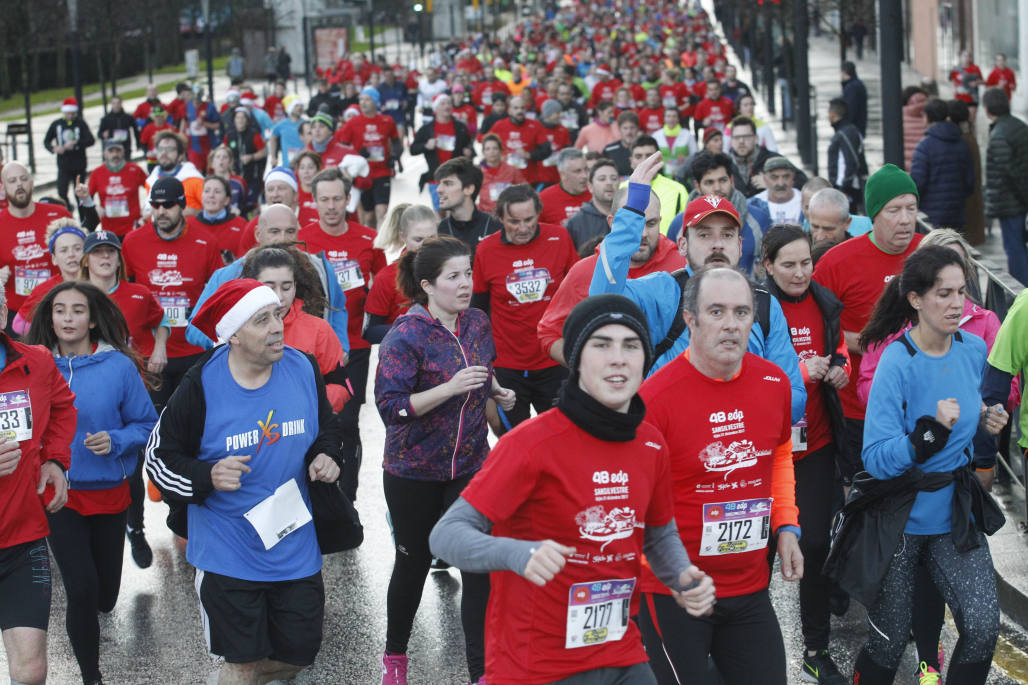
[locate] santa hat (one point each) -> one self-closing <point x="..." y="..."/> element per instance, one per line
<point x="604" y="69"/>
<point x="350" y="112"/>
<point x="440" y="99"/>
<point x="231" y="306"/>
<point x="70" y="106"/>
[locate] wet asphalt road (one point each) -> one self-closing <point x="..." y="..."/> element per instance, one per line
<point x="154" y="635"/>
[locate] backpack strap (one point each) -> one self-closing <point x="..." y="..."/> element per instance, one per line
<point x="678" y="325"/>
<point x="762" y="299"/>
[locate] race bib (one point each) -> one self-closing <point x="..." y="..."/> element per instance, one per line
<point x="598" y="612"/>
<point x="196" y="127"/>
<point x="517" y="161"/>
<point x="669" y="101"/>
<point x="176" y="309"/>
<point x="69" y="135"/>
<point x="799" y="436"/>
<point x="551" y="160"/>
<point x="495" y="189"/>
<point x="120" y="134"/>
<point x="376" y="153"/>
<point x="26" y="280"/>
<point x="116" y="208"/>
<point x="15" y="415"/>
<point x="733" y="527"/>
<point x="392" y="104"/>
<point x="277" y="516"/>
<point x="348" y="273"/>
<point x="528" y="285"/>
<point x="569" y="119"/>
<point x="446" y="142"/>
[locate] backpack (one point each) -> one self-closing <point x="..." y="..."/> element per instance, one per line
<point x="761" y="297"/>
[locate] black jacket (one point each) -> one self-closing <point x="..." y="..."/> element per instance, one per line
<point x="471" y="232"/>
<point x="180" y="432"/>
<point x="77" y="130"/>
<point x="425" y="134"/>
<point x="330" y="101"/>
<point x="119" y="126"/>
<point x="1006" y="168"/>
<point x="855" y="95"/>
<point x="848" y="144"/>
<point x="831" y="308"/>
<point x="870" y="526"/>
<point x="942" y="170"/>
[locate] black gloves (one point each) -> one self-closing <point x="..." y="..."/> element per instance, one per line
<point x="928" y="438"/>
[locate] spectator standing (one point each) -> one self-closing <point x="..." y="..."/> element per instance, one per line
<point x="914" y="126"/>
<point x="855" y="94"/>
<point x="68" y="138"/>
<point x="942" y="169"/>
<point x="1006" y="183"/>
<point x="974" y="229"/>
<point x="847" y="166"/>
<point x="120" y="126"/>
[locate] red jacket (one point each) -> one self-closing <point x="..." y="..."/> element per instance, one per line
<point x="31" y="369"/>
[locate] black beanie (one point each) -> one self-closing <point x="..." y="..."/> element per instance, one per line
<point x="596" y="312"/>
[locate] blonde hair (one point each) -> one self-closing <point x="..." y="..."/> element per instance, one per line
<point x="392" y="235"/>
<point x="58" y="224"/>
<point x="947" y="237"/>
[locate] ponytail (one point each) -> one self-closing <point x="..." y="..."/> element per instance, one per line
<point x="388" y="237"/>
<point x="891" y="314"/>
<point x="426" y="264"/>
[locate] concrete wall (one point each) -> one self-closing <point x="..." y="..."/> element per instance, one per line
<point x="924" y="30"/>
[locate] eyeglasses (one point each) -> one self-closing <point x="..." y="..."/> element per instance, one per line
<point x="744" y="137"/>
<point x="167" y="204"/>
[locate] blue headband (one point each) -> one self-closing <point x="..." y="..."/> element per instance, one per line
<point x="61" y="231"/>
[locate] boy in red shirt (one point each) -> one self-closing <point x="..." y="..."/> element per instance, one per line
<point x="372" y="134"/>
<point x="573" y="498"/>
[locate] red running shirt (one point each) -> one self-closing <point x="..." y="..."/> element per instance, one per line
<point x="142" y="312"/>
<point x="385" y="298"/>
<point x="726" y="443"/>
<point x="559" y="205"/>
<point x="520" y="280"/>
<point x="119" y="196"/>
<point x="356" y="260"/>
<point x="175" y="271"/>
<point x="548" y="479"/>
<point x="807" y="329"/>
<point x="374" y="134"/>
<point x="23" y="249"/>
<point x="857" y="272"/>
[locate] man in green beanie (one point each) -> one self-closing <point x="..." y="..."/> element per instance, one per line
<point x="857" y="271"/>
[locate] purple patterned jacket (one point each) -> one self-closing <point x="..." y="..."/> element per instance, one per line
<point x="420" y="353"/>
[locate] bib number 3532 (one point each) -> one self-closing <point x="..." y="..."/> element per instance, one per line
<point x="528" y="285"/>
<point x="598" y="612"/>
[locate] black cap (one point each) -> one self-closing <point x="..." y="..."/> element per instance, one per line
<point x="596" y="312"/>
<point x="168" y="189"/>
<point x="100" y="237"/>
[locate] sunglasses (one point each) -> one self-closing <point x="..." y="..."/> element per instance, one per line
<point x="167" y="204"/>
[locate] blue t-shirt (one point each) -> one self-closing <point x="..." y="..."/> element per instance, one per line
<point x="274" y="424"/>
<point x="288" y="134"/>
<point x="906" y="388"/>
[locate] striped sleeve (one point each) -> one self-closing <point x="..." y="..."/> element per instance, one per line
<point x="171" y="452"/>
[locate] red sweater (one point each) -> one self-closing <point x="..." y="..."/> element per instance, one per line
<point x="31" y="369"/>
<point x="23" y="248"/>
<point x="559" y="205"/>
<point x="731" y="466"/>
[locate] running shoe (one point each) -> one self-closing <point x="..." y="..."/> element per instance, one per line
<point x="394" y="669"/>
<point x="141" y="552"/>
<point x="926" y="675"/>
<point x="821" y="669"/>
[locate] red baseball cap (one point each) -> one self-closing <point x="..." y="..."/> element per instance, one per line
<point x="699" y="209"/>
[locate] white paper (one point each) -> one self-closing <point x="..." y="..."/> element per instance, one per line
<point x="277" y="516"/>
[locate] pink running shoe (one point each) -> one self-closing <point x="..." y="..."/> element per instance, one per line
<point x="394" y="669"/>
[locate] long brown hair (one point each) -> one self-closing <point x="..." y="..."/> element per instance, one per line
<point x="306" y="279"/>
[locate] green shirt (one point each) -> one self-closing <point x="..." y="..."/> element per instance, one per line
<point x="1010" y="351"/>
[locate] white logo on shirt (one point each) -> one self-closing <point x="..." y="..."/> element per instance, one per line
<point x="738" y="455"/>
<point x="596" y="524"/>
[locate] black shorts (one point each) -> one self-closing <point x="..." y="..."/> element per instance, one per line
<point x="377" y="194"/>
<point x="25" y="586"/>
<point x="246" y="621"/>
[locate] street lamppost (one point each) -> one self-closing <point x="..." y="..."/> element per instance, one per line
<point x="208" y="48"/>
<point x="76" y="55"/>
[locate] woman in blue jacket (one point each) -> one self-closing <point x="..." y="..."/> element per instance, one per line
<point x="433" y="380"/>
<point x="89" y="339"/>
<point x="922" y="415"/>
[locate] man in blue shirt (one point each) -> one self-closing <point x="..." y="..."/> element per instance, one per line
<point x="235" y="448"/>
<point x="710" y="235"/>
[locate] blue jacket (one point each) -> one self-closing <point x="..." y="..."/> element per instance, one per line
<point x="658" y="295"/>
<point x="110" y="396"/>
<point x="337" y="319"/>
<point x="944" y="175"/>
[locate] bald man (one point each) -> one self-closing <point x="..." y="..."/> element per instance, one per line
<point x="277" y="225"/>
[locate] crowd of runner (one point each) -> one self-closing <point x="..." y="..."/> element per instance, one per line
<point x="692" y="358"/>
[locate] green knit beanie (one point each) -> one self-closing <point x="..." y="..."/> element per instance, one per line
<point x="885" y="184"/>
<point x="324" y="118"/>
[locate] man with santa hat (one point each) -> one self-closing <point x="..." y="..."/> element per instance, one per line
<point x="68" y="138"/>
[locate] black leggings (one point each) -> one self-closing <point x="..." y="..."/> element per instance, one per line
<point x="349" y="419"/>
<point x="137" y="494"/>
<point x="742" y="636"/>
<point x="89" y="551"/>
<point x="414" y="508"/>
<point x="815" y="485"/>
<point x="968" y="584"/>
<point x="534" y="389"/>
<point x="170" y="378"/>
